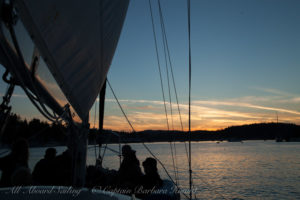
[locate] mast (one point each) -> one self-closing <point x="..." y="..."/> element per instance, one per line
<point x="103" y="89"/>
<point x="101" y="107"/>
<point x="190" y="77"/>
<point x="78" y="142"/>
<point x="77" y="148"/>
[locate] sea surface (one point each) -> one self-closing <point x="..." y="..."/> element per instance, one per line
<point x="225" y="170"/>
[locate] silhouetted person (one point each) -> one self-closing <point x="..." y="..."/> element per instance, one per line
<point x="43" y="172"/>
<point x="18" y="158"/>
<point x="63" y="168"/>
<point x="130" y="172"/>
<point x="22" y="177"/>
<point x="151" y="179"/>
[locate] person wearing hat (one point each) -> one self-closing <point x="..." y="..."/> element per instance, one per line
<point x="43" y="172"/>
<point x="130" y="171"/>
<point x="151" y="179"/>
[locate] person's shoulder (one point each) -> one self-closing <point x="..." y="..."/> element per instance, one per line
<point x="43" y="161"/>
<point x="38" y="165"/>
<point x="143" y="179"/>
<point x="59" y="158"/>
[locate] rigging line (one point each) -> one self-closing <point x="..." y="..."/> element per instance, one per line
<point x="15" y="42"/>
<point x="146" y="147"/>
<point x="174" y="161"/>
<point x="106" y="147"/>
<point x="166" y="48"/>
<point x="166" y="61"/>
<point x="120" y="105"/>
<point x="104" y="151"/>
<point x="33" y="101"/>
<point x="175" y="151"/>
<point x="158" y="63"/>
<point x="36" y="105"/>
<point x="19" y="53"/>
<point x="174" y="165"/>
<point x="190" y="85"/>
<point x="31" y="98"/>
<point x="171" y="67"/>
<point x="112" y="150"/>
<point x="170" y="97"/>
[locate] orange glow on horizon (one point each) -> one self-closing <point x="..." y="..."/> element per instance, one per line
<point x="206" y="115"/>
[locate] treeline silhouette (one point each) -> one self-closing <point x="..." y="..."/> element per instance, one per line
<point x="40" y="133"/>
<point x="260" y="131"/>
<point x="37" y="132"/>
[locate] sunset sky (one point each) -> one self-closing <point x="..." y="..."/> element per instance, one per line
<point x="245" y="66"/>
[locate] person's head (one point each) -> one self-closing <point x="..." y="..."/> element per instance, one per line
<point x="50" y="153"/>
<point x="20" y="150"/>
<point x="127" y="151"/>
<point x="150" y="165"/>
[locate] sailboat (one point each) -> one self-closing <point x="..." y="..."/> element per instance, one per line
<point x="78" y="50"/>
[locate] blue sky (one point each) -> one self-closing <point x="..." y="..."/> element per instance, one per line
<point x="245" y="65"/>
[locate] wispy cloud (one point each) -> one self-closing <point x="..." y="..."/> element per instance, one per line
<point x="208" y="114"/>
<point x="246" y="105"/>
<point x="19" y="95"/>
<point x="147" y="107"/>
<point x="273" y="91"/>
<point x="16" y="95"/>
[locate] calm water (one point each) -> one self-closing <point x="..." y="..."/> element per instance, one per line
<point x="248" y="170"/>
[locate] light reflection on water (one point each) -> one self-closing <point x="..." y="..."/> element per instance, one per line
<point x="248" y="170"/>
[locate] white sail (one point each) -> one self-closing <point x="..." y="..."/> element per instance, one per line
<point x="77" y="40"/>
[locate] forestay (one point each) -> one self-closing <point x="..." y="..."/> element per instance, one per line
<point x="77" y="40"/>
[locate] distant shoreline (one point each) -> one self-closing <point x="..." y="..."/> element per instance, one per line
<point x="41" y="134"/>
<point x="262" y="131"/>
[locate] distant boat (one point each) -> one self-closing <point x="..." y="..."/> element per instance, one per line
<point x="293" y="139"/>
<point x="279" y="139"/>
<point x="235" y="140"/>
